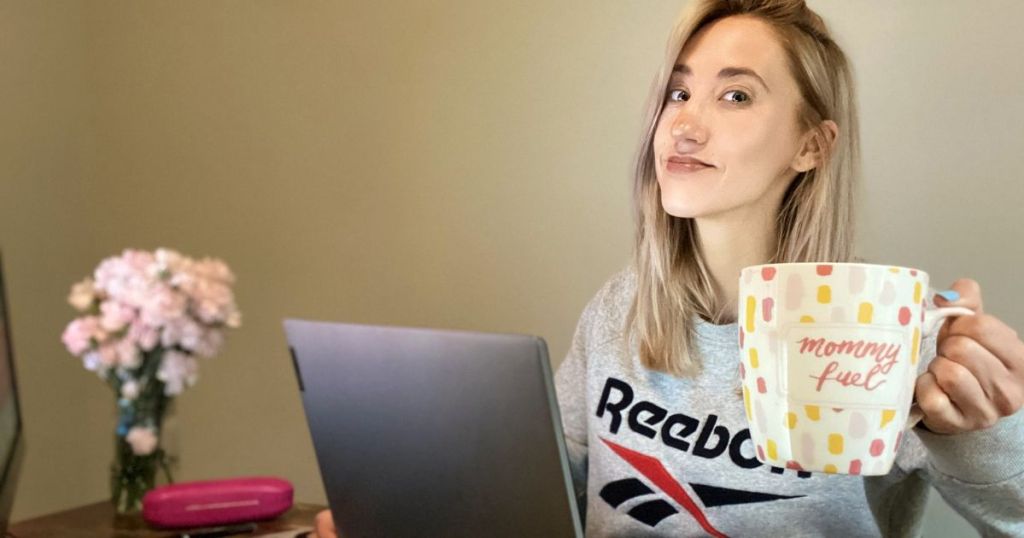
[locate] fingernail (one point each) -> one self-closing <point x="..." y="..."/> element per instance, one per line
<point x="949" y="295"/>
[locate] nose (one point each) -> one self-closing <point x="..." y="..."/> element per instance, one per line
<point x="687" y="127"/>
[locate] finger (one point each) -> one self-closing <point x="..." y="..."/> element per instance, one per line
<point x="970" y="295"/>
<point x="989" y="332"/>
<point x="940" y="415"/>
<point x="967" y="294"/>
<point x="325" y="525"/>
<point x="964" y="392"/>
<point x="986" y="368"/>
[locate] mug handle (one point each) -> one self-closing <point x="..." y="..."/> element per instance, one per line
<point x="933" y="319"/>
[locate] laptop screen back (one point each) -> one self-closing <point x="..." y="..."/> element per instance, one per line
<point x="423" y="432"/>
<point x="10" y="413"/>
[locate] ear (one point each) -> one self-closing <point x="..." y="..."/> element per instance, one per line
<point x="816" y="141"/>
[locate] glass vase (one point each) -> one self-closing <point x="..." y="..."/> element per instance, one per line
<point x="139" y="448"/>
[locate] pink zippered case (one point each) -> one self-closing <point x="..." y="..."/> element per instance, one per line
<point x="217" y="502"/>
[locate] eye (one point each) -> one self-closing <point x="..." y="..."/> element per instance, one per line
<point x="677" y="95"/>
<point x="741" y="96"/>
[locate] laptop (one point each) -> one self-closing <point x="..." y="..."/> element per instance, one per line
<point x="423" y="432"/>
<point x="11" y="438"/>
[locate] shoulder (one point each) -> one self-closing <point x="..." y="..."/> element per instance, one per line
<point x="616" y="292"/>
<point x="605" y="314"/>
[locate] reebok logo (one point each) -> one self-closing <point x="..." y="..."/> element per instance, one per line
<point x="679" y="431"/>
<point x="654" y="511"/>
<point x="648" y="512"/>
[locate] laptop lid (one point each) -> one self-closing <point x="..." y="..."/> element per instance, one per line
<point x="422" y="432"/>
<point x="11" y="438"/>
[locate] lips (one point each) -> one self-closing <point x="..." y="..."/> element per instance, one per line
<point x="686" y="164"/>
<point x="687" y="160"/>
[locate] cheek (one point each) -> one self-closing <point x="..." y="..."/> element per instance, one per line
<point x="662" y="137"/>
<point x="662" y="144"/>
<point x="759" y="149"/>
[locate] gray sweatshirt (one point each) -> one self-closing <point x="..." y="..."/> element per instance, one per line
<point x="656" y="455"/>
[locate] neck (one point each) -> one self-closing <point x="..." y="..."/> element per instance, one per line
<point x="731" y="245"/>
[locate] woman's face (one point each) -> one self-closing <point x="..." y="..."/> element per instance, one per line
<point x="731" y="103"/>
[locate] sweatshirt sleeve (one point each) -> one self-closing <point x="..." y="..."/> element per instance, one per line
<point x="980" y="474"/>
<point x="571" y="390"/>
<point x="570" y="386"/>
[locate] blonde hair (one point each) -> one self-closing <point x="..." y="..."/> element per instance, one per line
<point x="815" y="219"/>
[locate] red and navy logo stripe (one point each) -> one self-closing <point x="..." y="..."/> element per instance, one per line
<point x="654" y="511"/>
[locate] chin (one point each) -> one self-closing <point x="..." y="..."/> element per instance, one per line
<point x="681" y="210"/>
<point x="683" y="201"/>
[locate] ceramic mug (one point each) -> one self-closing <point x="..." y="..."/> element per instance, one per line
<point x="830" y="354"/>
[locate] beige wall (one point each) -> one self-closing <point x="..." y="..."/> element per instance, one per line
<point x="451" y="164"/>
<point x="47" y="201"/>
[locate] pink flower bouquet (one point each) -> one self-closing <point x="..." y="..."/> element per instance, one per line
<point x="145" y="318"/>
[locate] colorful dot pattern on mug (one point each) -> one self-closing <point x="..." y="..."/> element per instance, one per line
<point x="915" y="343"/>
<point x="822" y="436"/>
<point x="746" y="403"/>
<point x="835" y="443"/>
<point x="824" y="294"/>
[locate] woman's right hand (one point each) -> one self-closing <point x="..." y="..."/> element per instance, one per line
<point x="324" y="526"/>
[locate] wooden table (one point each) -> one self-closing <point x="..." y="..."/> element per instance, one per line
<point x="99" y="520"/>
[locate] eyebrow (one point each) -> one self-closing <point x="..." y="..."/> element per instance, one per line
<point x="726" y="72"/>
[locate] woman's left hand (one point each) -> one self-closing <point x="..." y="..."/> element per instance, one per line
<point x="977" y="376"/>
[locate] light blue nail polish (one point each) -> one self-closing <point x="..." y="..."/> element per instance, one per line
<point x="949" y="295"/>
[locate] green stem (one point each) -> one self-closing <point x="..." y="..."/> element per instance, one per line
<point x="165" y="467"/>
<point x="133" y="475"/>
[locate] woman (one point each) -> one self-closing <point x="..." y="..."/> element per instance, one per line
<point x="750" y="157"/>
